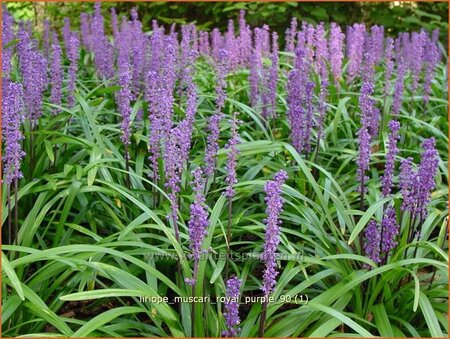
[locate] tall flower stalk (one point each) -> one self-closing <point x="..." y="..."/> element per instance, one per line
<point x="274" y="202"/>
<point x="12" y="110"/>
<point x="231" y="179"/>
<point x="197" y="225"/>
<point x="73" y="55"/>
<point x="231" y="313"/>
<point x="214" y="123"/>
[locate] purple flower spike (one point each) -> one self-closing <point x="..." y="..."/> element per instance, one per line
<point x="221" y="75"/>
<point x="386" y="180"/>
<point x="432" y="57"/>
<point x="173" y="169"/>
<point x="103" y="51"/>
<point x="399" y="85"/>
<point x="389" y="229"/>
<point x="256" y="68"/>
<point x="46" y="38"/>
<point x="274" y="203"/>
<point x="232" y="161"/>
<point x="335" y="46"/>
<point x="124" y="97"/>
<point x="355" y="45"/>
<point x="85" y="28"/>
<point x="322" y="108"/>
<point x="7" y="37"/>
<point x="363" y="157"/>
<point x="407" y="177"/>
<point x="322" y="54"/>
<point x="33" y="67"/>
<point x="372" y="244"/>
<point x="56" y="73"/>
<point x="370" y="115"/>
<point x="12" y="109"/>
<point x="389" y="57"/>
<point x="186" y="125"/>
<point x="291" y="33"/>
<point x="114" y="25"/>
<point x="231" y="312"/>
<point x="198" y="221"/>
<point x="66" y="34"/>
<point x="426" y="172"/>
<point x="212" y="144"/>
<point x="418" y="41"/>
<point x="416" y="186"/>
<point x="73" y="55"/>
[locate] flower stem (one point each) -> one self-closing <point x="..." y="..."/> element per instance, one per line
<point x="262" y="320"/>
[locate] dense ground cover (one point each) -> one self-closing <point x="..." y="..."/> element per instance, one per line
<point x="310" y="183"/>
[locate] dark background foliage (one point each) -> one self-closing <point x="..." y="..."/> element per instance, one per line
<point x="398" y="16"/>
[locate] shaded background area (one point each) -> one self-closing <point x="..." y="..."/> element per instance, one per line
<point x="397" y="16"/>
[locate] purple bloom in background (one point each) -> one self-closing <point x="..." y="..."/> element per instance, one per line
<point x="298" y="80"/>
<point x="363" y="157"/>
<point x="355" y="46"/>
<point x="310" y="36"/>
<point x="167" y="81"/>
<point x="322" y="109"/>
<point x="389" y="230"/>
<point x="372" y="244"/>
<point x="156" y="49"/>
<point x="212" y="144"/>
<point x="217" y="42"/>
<point x="73" y="55"/>
<point x="335" y="46"/>
<point x="66" y="34"/>
<point x="418" y="41"/>
<point x="198" y="221"/>
<point x="389" y="67"/>
<point x="386" y="180"/>
<point x="432" y="57"/>
<point x="256" y="68"/>
<point x="274" y="202"/>
<point x="115" y="26"/>
<point x="399" y="85"/>
<point x="85" y="29"/>
<point x="377" y="42"/>
<point x="33" y="67"/>
<point x="231" y="158"/>
<point x="156" y="122"/>
<point x="186" y="125"/>
<point x="7" y="37"/>
<point x="270" y="89"/>
<point x="103" y="51"/>
<point x="46" y="38"/>
<point x="12" y="118"/>
<point x="124" y="96"/>
<point x="231" y="46"/>
<point x="56" y="73"/>
<point x="291" y="33"/>
<point x="407" y="177"/>
<point x="221" y="83"/>
<point x="405" y="45"/>
<point x="245" y="40"/>
<point x="370" y="115"/>
<point x="370" y="56"/>
<point x="308" y="124"/>
<point x="426" y="172"/>
<point x="203" y="46"/>
<point x="416" y="186"/>
<point x="231" y="312"/>
<point x="137" y="48"/>
<point x="322" y="55"/>
<point x="172" y="173"/>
